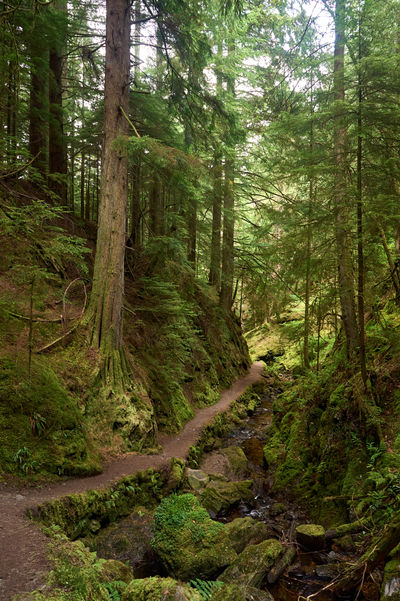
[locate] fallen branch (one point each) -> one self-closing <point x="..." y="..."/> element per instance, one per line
<point x="57" y="340"/>
<point x="74" y="327"/>
<point x="35" y="319"/>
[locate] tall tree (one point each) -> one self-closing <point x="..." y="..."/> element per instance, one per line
<point x="341" y="208"/>
<point x="106" y="303"/>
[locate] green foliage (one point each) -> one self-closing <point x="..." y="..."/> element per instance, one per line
<point x="206" y="588"/>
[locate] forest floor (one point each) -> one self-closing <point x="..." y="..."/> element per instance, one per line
<point x="23" y="546"/>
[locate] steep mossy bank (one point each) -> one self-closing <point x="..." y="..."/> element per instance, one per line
<point x="56" y="417"/>
<point x="334" y="445"/>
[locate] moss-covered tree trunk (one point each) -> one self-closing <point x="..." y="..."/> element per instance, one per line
<point x="106" y="303"/>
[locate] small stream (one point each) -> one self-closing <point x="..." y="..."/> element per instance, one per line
<point x="311" y="571"/>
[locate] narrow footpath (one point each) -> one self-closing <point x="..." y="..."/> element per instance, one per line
<point x="23" y="547"/>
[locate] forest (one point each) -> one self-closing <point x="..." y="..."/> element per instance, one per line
<point x="200" y="300"/>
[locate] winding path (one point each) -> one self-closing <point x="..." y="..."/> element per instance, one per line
<point x="23" y="562"/>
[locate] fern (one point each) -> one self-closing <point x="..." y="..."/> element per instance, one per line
<point x="206" y="588"/>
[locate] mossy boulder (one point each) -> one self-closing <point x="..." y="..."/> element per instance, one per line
<point x="116" y="570"/>
<point x="234" y="592"/>
<point x="129" y="540"/>
<point x="230" y="461"/>
<point x="237" y="460"/>
<point x="252" y="566"/>
<point x="159" y="589"/>
<point x="390" y="588"/>
<point x="311" y="536"/>
<point x="220" y="495"/>
<point x="246" y="531"/>
<point x="189" y="543"/>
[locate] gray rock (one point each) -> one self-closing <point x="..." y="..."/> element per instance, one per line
<point x="197" y="479"/>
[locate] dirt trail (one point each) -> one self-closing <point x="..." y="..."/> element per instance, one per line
<point x="23" y="562"/>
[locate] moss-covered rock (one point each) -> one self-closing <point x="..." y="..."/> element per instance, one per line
<point x="234" y="592"/>
<point x="311" y="536"/>
<point x="159" y="589"/>
<point x="219" y="495"/>
<point x="116" y="570"/>
<point x="129" y="540"/>
<point x="238" y="464"/>
<point x="246" y="531"/>
<point x="197" y="479"/>
<point x="188" y="542"/>
<point x="251" y="567"/>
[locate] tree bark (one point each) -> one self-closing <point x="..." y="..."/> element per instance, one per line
<point x="38" y="104"/>
<point x="229" y="217"/>
<point x="106" y="303"/>
<point x="57" y="142"/>
<point x="360" y="233"/>
<point x="215" y="261"/>
<point x="341" y="208"/>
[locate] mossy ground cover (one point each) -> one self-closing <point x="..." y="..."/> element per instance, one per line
<point x="57" y="419"/>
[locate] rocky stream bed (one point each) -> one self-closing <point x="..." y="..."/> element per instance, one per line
<point x="250" y="546"/>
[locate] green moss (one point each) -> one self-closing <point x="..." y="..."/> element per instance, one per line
<point x="75" y="514"/>
<point x="189" y="543"/>
<point x="253" y="564"/>
<point x="79" y="575"/>
<point x="37" y="414"/>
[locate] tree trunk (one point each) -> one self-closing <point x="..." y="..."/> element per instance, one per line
<point x="360" y="233"/>
<point x="57" y="142"/>
<point x="82" y="185"/>
<point x="229" y="217"/>
<point x="341" y="208"/>
<point x="227" y="240"/>
<point x="215" y="261"/>
<point x="106" y="302"/>
<point x="38" y="104"/>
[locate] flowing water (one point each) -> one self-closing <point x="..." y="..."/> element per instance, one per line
<point x="310" y="572"/>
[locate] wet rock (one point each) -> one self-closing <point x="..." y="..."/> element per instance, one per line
<point x="189" y="543"/>
<point x="234" y="592"/>
<point x="197" y="479"/>
<point x="246" y="531"/>
<point x="252" y="566"/>
<point x="296" y="571"/>
<point x="129" y="540"/>
<point x="159" y="589"/>
<point x="220" y="495"/>
<point x="311" y="536"/>
<point x="327" y="572"/>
